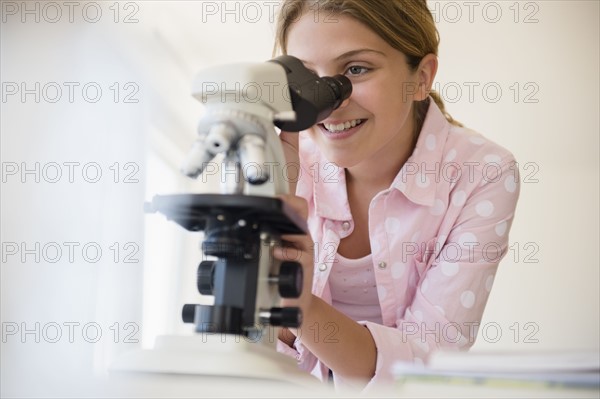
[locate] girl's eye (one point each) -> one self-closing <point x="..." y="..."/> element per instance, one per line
<point x="356" y="70"/>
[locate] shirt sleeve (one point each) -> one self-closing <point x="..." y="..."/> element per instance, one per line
<point x="455" y="277"/>
<point x="307" y="361"/>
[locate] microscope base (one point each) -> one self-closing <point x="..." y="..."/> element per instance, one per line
<point x="216" y="355"/>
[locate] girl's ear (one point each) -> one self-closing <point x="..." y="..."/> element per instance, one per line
<point x="426" y="75"/>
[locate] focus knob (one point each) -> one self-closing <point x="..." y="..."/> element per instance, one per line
<point x="206" y="272"/>
<point x="290" y="280"/>
<point x="283" y="317"/>
<point x="188" y="312"/>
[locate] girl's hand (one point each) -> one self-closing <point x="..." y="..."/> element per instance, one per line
<point x="290" y="144"/>
<point x="298" y="248"/>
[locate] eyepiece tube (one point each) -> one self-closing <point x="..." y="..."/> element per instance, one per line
<point x="313" y="98"/>
<point x="341" y="87"/>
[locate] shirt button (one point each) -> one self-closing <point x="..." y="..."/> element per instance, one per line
<point x="323" y="267"/>
<point x="346" y="226"/>
<point x="382" y="265"/>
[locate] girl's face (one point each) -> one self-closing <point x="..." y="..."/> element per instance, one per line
<point x="375" y="125"/>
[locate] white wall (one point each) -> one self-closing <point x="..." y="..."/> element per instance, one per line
<point x="70" y="303"/>
<point x="546" y="293"/>
<point x="555" y="139"/>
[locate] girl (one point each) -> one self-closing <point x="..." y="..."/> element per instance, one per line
<point x="408" y="211"/>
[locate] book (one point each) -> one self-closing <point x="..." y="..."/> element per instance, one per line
<point x="549" y="369"/>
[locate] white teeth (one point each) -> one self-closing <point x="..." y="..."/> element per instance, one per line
<point x="342" y="126"/>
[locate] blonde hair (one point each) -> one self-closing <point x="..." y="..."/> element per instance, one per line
<point x="406" y="25"/>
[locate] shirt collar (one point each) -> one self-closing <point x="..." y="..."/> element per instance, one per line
<point x="330" y="189"/>
<point x="416" y="180"/>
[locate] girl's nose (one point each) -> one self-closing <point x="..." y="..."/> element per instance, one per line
<point x="344" y="103"/>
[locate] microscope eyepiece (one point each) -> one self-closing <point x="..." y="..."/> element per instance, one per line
<point x="313" y="98"/>
<point x="341" y="87"/>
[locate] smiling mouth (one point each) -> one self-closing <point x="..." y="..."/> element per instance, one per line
<point x="341" y="127"/>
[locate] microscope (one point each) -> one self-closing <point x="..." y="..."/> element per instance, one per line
<point x="238" y="148"/>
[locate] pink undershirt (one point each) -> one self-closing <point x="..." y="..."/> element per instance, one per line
<point x="353" y="289"/>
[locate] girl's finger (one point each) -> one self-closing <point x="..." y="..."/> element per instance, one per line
<point x="298" y="204"/>
<point x="288" y="254"/>
<point x="302" y="242"/>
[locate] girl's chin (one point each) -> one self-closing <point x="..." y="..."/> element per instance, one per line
<point x="340" y="156"/>
<point x="344" y="161"/>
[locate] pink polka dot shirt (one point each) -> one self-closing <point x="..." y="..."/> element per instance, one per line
<point x="437" y="235"/>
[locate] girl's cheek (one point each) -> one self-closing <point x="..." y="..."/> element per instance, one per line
<point x="408" y="90"/>
<point x="362" y="95"/>
<point x="314" y="133"/>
